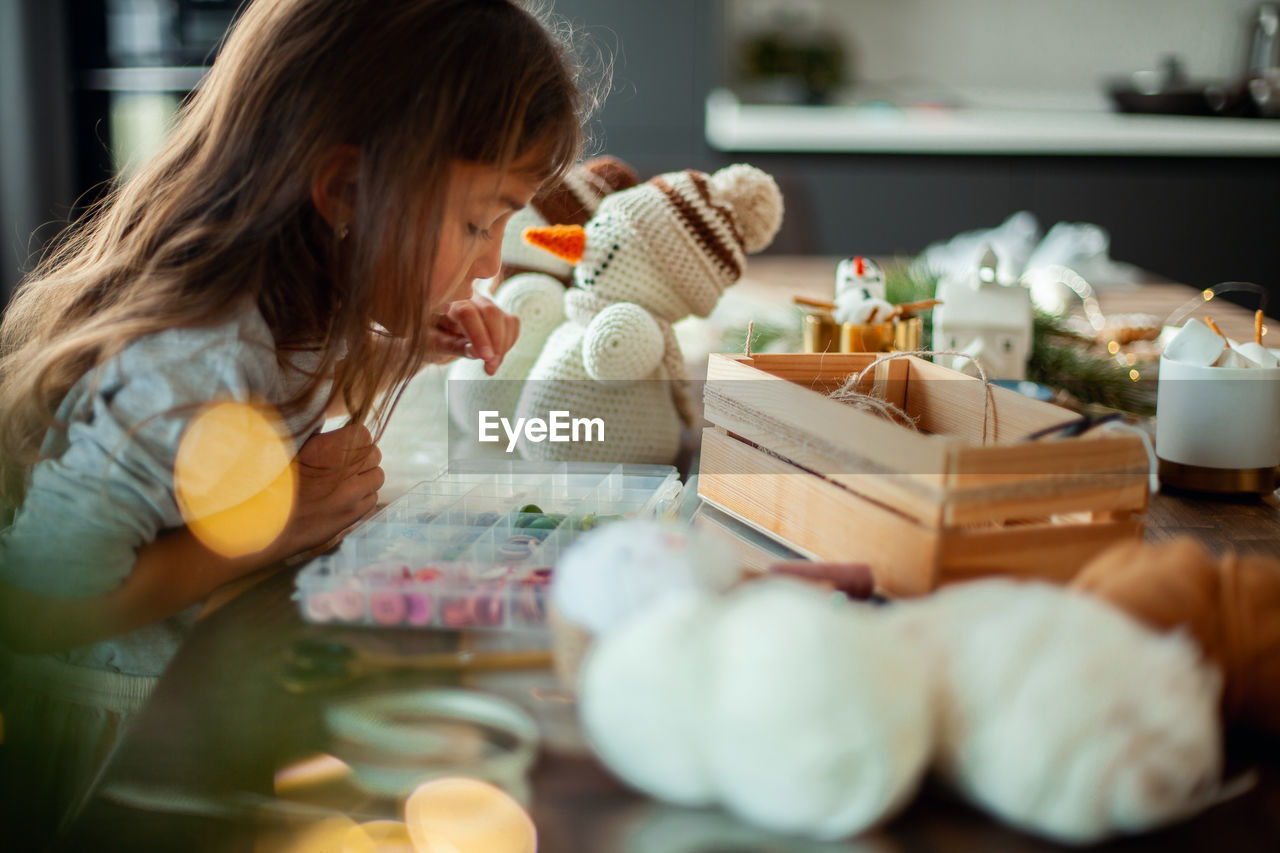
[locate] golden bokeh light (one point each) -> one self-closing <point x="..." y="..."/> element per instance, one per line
<point x="1207" y="294"/>
<point x="379" y="836"/>
<point x="458" y="815"/>
<point x="1135" y="375"/>
<point x="318" y="836"/>
<point x="1113" y="347"/>
<point x="234" y="479"/>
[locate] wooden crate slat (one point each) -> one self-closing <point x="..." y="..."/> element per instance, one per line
<point x="1051" y="552"/>
<point x="817" y="516"/>
<point x="1099" y="453"/>
<point x="1097" y="494"/>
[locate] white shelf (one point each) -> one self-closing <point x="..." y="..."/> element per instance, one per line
<point x="732" y="126"/>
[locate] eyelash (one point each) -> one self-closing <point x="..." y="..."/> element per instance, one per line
<point x="477" y="231"/>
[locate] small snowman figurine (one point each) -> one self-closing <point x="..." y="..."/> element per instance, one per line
<point x="860" y="292"/>
<point x="652" y="255"/>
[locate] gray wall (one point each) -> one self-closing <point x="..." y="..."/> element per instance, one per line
<point x="664" y="59"/>
<point x="1198" y="220"/>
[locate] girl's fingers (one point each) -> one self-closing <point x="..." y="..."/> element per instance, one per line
<point x="369" y="482"/>
<point x="486" y="330"/>
<point x="369" y="461"/>
<point x="471" y="323"/>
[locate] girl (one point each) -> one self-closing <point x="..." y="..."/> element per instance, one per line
<point x="308" y="238"/>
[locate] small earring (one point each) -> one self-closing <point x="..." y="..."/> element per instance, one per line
<point x="341" y="231"/>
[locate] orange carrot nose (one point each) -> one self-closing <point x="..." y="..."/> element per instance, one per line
<point x="563" y="241"/>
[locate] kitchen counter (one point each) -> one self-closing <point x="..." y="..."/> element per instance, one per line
<point x="732" y="126"/>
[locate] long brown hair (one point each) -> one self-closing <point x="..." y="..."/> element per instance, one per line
<point x="224" y="211"/>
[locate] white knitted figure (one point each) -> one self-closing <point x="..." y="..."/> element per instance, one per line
<point x="651" y="256"/>
<point x="571" y="202"/>
<point x="537" y="299"/>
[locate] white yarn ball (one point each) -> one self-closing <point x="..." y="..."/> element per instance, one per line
<point x="618" y="569"/>
<point x="1065" y="717"/>
<point x="642" y="699"/>
<point x="820" y="720"/>
<point x="756" y="201"/>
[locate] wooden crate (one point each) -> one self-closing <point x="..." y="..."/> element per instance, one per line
<point x="922" y="508"/>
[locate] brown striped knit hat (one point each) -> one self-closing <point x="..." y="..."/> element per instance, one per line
<point x="571" y="202"/>
<point x="700" y="228"/>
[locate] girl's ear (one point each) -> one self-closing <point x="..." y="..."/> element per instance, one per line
<point x="333" y="186"/>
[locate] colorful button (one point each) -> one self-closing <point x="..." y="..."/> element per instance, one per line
<point x="388" y="608"/>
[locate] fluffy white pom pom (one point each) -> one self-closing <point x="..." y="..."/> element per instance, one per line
<point x="642" y="699"/>
<point x="820" y="723"/>
<point x="756" y="202"/>
<point x="1065" y="717"/>
<point x="616" y="570"/>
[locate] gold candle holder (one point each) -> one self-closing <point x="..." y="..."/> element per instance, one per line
<point x="821" y="333"/>
<point x="908" y="334"/>
<point x="901" y="335"/>
<point x="866" y="337"/>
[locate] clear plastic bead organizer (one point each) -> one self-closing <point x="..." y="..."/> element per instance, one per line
<point x="475" y="547"/>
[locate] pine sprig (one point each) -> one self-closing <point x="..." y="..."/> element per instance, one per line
<point x="766" y="336"/>
<point x="904" y="283"/>
<point x="1063" y="362"/>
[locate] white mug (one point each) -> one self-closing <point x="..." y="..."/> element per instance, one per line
<point x="1218" y="417"/>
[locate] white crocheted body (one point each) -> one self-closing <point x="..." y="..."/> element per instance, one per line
<point x="641" y="424"/>
<point x="538" y="301"/>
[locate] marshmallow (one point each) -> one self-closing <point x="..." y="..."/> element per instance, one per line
<point x="1259" y="355"/>
<point x="1195" y="343"/>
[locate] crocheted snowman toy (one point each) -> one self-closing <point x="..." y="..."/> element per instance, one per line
<point x="531" y="287"/>
<point x="651" y="255"/>
<point x="572" y="201"/>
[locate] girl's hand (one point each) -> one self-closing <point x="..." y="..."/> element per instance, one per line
<point x="475" y="328"/>
<point x="338" y="481"/>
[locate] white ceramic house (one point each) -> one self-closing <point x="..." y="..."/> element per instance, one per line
<point x="986" y="320"/>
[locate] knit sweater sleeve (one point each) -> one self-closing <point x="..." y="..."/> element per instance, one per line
<point x="105" y="486"/>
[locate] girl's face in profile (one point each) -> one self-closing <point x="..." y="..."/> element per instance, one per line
<point x="479" y="201"/>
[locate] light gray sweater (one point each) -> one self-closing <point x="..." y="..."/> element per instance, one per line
<point x="104" y="487"/>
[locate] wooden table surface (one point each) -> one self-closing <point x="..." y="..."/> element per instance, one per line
<point x="196" y="771"/>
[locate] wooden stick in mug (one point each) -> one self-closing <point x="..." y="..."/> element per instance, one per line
<point x="813" y="303"/>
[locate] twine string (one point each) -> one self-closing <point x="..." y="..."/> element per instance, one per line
<point x="848" y="393"/>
